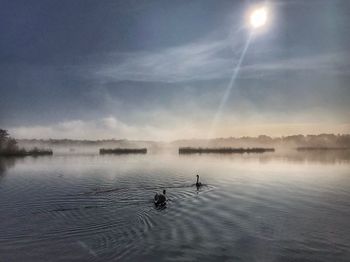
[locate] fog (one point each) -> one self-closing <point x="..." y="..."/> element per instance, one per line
<point x="66" y="146"/>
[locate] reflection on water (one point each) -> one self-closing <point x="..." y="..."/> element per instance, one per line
<point x="325" y="157"/>
<point x="5" y="163"/>
<point x="320" y="157"/>
<point x="269" y="207"/>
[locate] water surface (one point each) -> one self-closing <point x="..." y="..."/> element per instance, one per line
<point x="268" y="207"/>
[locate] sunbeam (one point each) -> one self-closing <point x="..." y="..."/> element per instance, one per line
<point x="229" y="88"/>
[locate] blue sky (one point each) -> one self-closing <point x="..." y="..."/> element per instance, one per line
<point x="160" y="69"/>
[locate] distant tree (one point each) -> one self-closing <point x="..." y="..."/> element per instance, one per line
<point x="264" y="139"/>
<point x="4" y="136"/>
<point x="11" y="145"/>
<point x="6" y="142"/>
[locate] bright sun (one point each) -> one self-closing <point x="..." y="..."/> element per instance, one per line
<point x="258" y="17"/>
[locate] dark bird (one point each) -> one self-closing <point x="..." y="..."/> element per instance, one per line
<point x="160" y="199"/>
<point x="198" y="184"/>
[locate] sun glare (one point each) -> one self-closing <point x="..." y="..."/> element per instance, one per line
<point x="258" y="17"/>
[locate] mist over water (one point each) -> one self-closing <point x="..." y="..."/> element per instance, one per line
<point x="86" y="207"/>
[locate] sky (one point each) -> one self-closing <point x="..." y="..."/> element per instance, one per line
<point x="173" y="69"/>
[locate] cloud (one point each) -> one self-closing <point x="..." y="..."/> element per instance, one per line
<point x="104" y="128"/>
<point x="108" y="127"/>
<point x="171" y="128"/>
<point x="209" y="60"/>
<point x="196" y="61"/>
<point x="337" y="63"/>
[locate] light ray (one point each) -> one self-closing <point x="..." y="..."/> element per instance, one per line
<point x="229" y="88"/>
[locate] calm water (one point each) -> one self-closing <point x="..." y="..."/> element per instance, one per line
<point x="99" y="208"/>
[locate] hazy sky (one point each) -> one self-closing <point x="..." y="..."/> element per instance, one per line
<point x="143" y="69"/>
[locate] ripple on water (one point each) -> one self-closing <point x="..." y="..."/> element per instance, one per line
<point x="107" y="213"/>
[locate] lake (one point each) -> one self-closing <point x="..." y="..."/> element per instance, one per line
<point x="253" y="207"/>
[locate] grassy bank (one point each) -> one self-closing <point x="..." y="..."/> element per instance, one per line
<point x="223" y="150"/>
<point x="23" y="152"/>
<point x="123" y="151"/>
